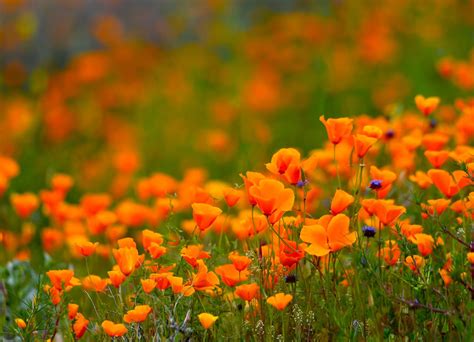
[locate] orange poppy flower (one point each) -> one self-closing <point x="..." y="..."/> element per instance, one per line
<point x="422" y="179"/>
<point x="390" y="253"/>
<point x="444" y="182"/>
<point x="330" y="234"/>
<point x="207" y="320"/>
<point x="426" y="105"/>
<point x="415" y="263"/>
<point x="204" y="280"/>
<point x="387" y="213"/>
<point x="437" y="205"/>
<point x="409" y="230"/>
<point x="372" y="131"/>
<point x="447" y="280"/>
<point x="280" y="300"/>
<point x="362" y="144"/>
<point x="282" y="159"/>
<point x="385" y="179"/>
<point x="116" y="277"/>
<point x="94" y="283"/>
<point x="138" y="314"/>
<point x="251" y="179"/>
<point x="126" y="258"/>
<point x="230" y="275"/>
<point x="94" y="203"/>
<point x="291" y="253"/>
<point x="114" y="329"/>
<point x="149" y="237"/>
<point x="61" y="278"/>
<point x="24" y="204"/>
<point x="271" y="196"/>
<point x="156" y="250"/>
<point x="437" y="158"/>
<point x="148" y="285"/>
<point x="337" y="129"/>
<point x="86" y="248"/>
<point x="132" y="214"/>
<point x="232" y="196"/>
<point x="435" y="141"/>
<point x="192" y="253"/>
<point x="54" y="294"/>
<point x="241" y="262"/>
<point x="248" y="291"/>
<point x="204" y="214"/>
<point x="72" y="310"/>
<point x="341" y="201"/>
<point x="62" y="183"/>
<point x="424" y="243"/>
<point x="80" y="325"/>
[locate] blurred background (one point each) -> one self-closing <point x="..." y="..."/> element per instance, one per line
<point x="97" y="88"/>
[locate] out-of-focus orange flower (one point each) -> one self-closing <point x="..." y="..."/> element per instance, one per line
<point x="230" y="275"/>
<point x="80" y="325"/>
<point x="204" y="215"/>
<point x="52" y="239"/>
<point x="330" y="234"/>
<point x="232" y="196"/>
<point x="271" y="196"/>
<point x="72" y="310"/>
<point x="138" y="314"/>
<point x="86" y="248"/>
<point x="447" y="280"/>
<point x="93" y="203"/>
<point x="114" y="329"/>
<point x="470" y="258"/>
<point x="8" y="167"/>
<point x="341" y="201"/>
<point x="24" y="204"/>
<point x="415" y="263"/>
<point x="207" y="320"/>
<point x="62" y="183"/>
<point x="435" y="141"/>
<point x="20" y="323"/>
<point x="437" y="206"/>
<point x="424" y="243"/>
<point x="193" y="253"/>
<point x="280" y="300"/>
<point x="132" y="214"/>
<point x="426" y="105"/>
<point x="437" y="158"/>
<point x="422" y="179"/>
<point x="390" y="253"/>
<point x="337" y="129"/>
<point x="94" y="283"/>
<point x="248" y="291"/>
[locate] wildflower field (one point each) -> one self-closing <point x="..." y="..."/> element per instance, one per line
<point x="237" y="170"/>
